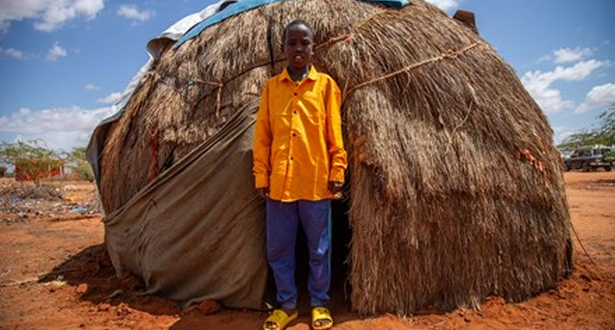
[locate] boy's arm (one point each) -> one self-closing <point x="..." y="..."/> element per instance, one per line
<point x="262" y="142"/>
<point x="335" y="142"/>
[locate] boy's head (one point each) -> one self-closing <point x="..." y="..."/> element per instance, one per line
<point x="297" y="43"/>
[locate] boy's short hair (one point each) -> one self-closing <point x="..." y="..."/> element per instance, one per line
<point x="294" y="23"/>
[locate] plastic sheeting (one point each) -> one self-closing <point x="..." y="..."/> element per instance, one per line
<point x="244" y="5"/>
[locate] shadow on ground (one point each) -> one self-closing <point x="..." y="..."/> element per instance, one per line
<point x="91" y="272"/>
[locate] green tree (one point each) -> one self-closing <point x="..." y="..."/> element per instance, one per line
<point x="78" y="164"/>
<point x="31" y="157"/>
<point x="607" y="128"/>
<point x="602" y="135"/>
<point x="577" y="140"/>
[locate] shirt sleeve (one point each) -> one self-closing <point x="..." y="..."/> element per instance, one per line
<point x="262" y="142"/>
<point x="335" y="142"/>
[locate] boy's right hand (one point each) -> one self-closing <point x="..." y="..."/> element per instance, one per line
<point x="263" y="192"/>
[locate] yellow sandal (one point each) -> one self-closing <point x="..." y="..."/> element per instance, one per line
<point x="280" y="319"/>
<point x="320" y="314"/>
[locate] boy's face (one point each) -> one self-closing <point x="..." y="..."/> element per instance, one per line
<point x="298" y="46"/>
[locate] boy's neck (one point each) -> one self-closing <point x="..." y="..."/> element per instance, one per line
<point x="298" y="74"/>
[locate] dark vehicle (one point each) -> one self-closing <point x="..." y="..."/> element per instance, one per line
<point x="589" y="158"/>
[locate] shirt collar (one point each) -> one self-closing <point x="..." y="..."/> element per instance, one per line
<point x="312" y="75"/>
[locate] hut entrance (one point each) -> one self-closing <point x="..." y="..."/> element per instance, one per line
<point x="340" y="248"/>
<point x="340" y="266"/>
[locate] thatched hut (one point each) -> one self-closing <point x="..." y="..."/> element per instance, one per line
<point x="455" y="189"/>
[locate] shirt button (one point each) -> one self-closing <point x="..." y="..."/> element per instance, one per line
<point x="294" y="134"/>
<point x="295" y="112"/>
<point x="291" y="158"/>
<point x="295" y="94"/>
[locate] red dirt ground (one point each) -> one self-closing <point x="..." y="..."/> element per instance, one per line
<point x="54" y="274"/>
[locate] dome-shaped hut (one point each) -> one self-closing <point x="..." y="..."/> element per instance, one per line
<point x="455" y="189"/>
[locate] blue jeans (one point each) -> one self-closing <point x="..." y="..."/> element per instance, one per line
<point x="282" y="226"/>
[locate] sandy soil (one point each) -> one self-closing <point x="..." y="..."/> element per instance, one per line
<point x="54" y="274"/>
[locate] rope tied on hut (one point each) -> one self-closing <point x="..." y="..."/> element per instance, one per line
<point x="449" y="54"/>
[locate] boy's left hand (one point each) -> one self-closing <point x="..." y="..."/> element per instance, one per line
<point x="335" y="187"/>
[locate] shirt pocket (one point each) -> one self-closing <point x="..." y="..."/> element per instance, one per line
<point x="314" y="106"/>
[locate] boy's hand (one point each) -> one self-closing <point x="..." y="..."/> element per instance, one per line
<point x="263" y="192"/>
<point x="335" y="187"/>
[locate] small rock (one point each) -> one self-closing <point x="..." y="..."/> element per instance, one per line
<point x="103" y="307"/>
<point x="209" y="307"/>
<point x="55" y="285"/>
<point x="122" y="310"/>
<point x="82" y="288"/>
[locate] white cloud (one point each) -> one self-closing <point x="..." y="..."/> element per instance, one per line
<point x="62" y="128"/>
<point x="560" y="133"/>
<point x="12" y="52"/>
<point x="110" y="99"/>
<point x="91" y="87"/>
<point x="132" y="12"/>
<point x="4" y="27"/>
<point x="539" y="84"/>
<point x="48" y="15"/>
<point x="56" y="52"/>
<point x="60" y="12"/>
<point x="599" y="97"/>
<point x="567" y="55"/>
<point x="445" y="4"/>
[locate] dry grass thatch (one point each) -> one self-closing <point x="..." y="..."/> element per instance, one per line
<point x="456" y="188"/>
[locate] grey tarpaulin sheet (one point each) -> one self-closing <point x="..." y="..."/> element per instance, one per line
<point x="198" y="231"/>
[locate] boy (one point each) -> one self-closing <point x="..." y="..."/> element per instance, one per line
<point x="299" y="164"/>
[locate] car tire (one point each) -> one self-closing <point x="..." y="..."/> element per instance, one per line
<point x="585" y="167"/>
<point x="608" y="169"/>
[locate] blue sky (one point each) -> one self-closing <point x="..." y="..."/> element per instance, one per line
<point x="63" y="63"/>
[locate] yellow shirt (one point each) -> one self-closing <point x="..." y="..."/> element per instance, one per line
<point x="298" y="145"/>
